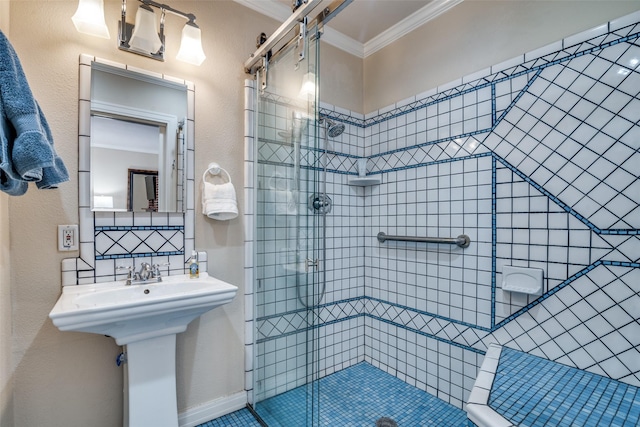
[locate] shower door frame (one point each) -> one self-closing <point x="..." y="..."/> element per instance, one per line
<point x="312" y="155"/>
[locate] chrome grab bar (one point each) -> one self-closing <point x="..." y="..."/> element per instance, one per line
<point x="462" y="240"/>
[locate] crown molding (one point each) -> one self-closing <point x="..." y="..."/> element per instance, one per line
<point x="342" y="42"/>
<point x="280" y="13"/>
<point x="270" y="8"/>
<point x="409" y="24"/>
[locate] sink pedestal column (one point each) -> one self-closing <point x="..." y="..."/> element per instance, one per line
<point x="151" y="368"/>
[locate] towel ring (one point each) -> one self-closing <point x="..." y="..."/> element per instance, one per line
<point x="214" y="169"/>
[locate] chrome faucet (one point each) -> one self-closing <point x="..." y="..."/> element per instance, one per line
<point x="146" y="273"/>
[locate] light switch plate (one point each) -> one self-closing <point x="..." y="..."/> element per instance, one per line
<point x="68" y="237"/>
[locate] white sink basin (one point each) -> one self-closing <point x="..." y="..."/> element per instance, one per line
<point x="145" y="318"/>
<point x="139" y="311"/>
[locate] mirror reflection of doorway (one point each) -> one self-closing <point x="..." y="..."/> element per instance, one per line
<point x="142" y="190"/>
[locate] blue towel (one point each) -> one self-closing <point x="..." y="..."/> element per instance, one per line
<point x="26" y="151"/>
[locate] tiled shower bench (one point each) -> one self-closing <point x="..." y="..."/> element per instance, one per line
<point x="518" y="389"/>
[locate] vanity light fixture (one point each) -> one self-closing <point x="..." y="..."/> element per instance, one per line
<point x="89" y="18"/>
<point x="144" y="39"/>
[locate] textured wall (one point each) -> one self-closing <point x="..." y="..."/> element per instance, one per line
<point x="6" y="380"/>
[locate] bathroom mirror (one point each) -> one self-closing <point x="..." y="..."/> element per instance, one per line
<point x="137" y="124"/>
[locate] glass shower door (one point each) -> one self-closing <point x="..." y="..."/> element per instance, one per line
<point x="289" y="239"/>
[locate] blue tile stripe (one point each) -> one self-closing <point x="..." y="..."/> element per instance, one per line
<point x="494" y="328"/>
<point x="494" y="240"/>
<point x="372" y="316"/>
<point x="563" y="285"/>
<point x="343" y="118"/>
<point x="139" y="227"/>
<point x="139" y="255"/>
<point x="312" y="168"/>
<point x="564" y="206"/>
<point x="506" y="111"/>
<point x="425" y="144"/>
<point x="431" y="163"/>
<point x="494" y="108"/>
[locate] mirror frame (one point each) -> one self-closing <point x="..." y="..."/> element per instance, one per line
<point x="83" y="269"/>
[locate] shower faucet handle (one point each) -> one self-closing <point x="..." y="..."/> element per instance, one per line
<point x="311" y="263"/>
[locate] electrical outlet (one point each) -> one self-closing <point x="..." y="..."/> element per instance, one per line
<point x="68" y="237"/>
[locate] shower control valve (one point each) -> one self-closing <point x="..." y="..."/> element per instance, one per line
<point x="320" y="203"/>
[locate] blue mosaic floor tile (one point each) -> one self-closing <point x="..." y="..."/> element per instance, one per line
<point x="241" y="418"/>
<point x="357" y="397"/>
<point x="559" y="395"/>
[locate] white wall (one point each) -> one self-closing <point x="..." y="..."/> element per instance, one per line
<point x="456" y="43"/>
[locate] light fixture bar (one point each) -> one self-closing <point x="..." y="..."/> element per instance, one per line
<point x="189" y="16"/>
<point x="125" y="32"/>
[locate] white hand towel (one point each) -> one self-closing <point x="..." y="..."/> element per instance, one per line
<point x="219" y="200"/>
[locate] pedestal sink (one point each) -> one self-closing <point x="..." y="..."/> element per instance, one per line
<point x="145" y="318"/>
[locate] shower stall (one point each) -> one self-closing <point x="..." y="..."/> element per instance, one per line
<point x="306" y="302"/>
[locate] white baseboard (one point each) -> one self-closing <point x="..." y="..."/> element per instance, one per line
<point x="212" y="410"/>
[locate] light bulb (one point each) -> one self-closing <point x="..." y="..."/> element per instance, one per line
<point x="89" y="18"/>
<point x="191" y="45"/>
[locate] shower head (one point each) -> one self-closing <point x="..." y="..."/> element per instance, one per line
<point x="333" y="129"/>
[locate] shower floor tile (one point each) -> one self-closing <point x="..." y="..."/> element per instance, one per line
<point x="357" y="397"/>
<point x="241" y="418"/>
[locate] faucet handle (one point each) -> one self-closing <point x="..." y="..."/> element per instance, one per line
<point x="156" y="270"/>
<point x="129" y="269"/>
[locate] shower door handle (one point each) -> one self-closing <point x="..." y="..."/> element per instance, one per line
<point x="311" y="263"/>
